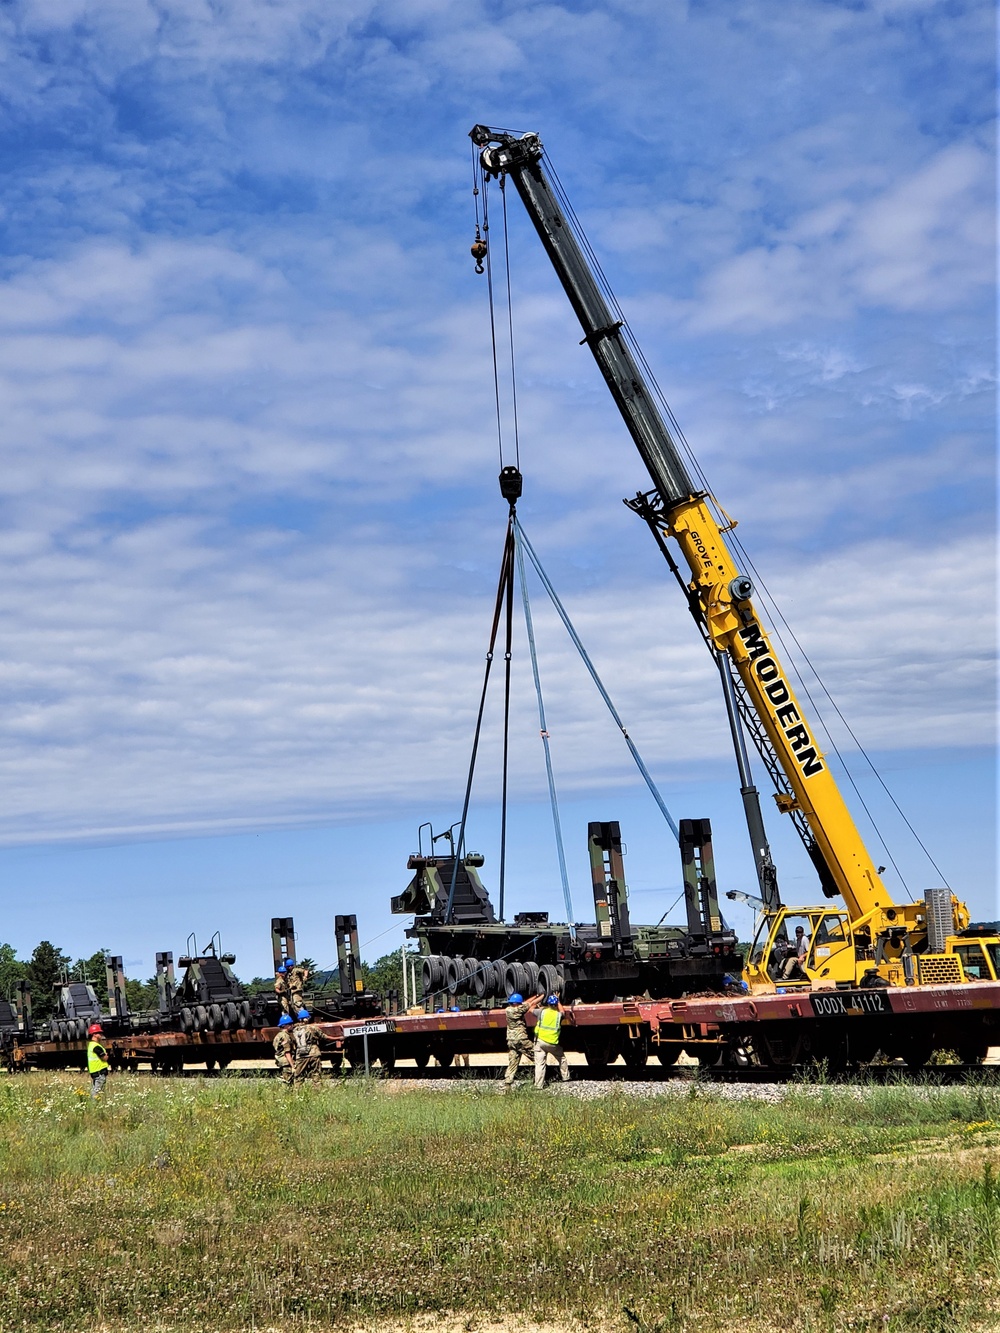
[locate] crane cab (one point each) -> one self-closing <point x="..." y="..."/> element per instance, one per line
<point x="829" y="952"/>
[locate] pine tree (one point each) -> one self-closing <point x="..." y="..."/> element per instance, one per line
<point x="44" y="972"/>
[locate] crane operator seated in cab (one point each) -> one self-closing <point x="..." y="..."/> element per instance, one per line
<point x="793" y="968"/>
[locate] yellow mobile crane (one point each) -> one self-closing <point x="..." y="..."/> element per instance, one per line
<point x="876" y="941"/>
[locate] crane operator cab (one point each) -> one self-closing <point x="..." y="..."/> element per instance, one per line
<point x="800" y="946"/>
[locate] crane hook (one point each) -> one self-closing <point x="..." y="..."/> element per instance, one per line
<point x="478" y="251"/>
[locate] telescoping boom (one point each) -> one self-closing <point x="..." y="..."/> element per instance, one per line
<point x="720" y="593"/>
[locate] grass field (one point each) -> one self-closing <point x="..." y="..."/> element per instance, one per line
<point x="230" y="1204"/>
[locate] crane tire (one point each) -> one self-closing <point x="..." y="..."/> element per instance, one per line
<point x="215" y="1017"/>
<point x="429" y="974"/>
<point x="480" y="980"/>
<point x="200" y="1018"/>
<point x="230" y="1017"/>
<point x="186" y="1020"/>
<point x="531" y="974"/>
<point x="454" y="974"/>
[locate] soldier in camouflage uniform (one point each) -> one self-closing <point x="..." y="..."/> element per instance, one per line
<point x="306" y="1038"/>
<point x="281" y="988"/>
<point x="297" y="978"/>
<point x="283" y="1054"/>
<point x="518" y="1041"/>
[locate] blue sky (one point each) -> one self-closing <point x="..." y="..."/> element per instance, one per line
<point x="250" y="525"/>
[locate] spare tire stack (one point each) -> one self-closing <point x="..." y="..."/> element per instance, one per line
<point x="443" y="978"/>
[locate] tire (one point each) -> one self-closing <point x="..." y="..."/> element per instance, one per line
<point x="429" y="975"/>
<point x="482" y="979"/>
<point x="498" y="989"/>
<point x="531" y="974"/>
<point x="230" y="1017"/>
<point x="58" y="1030"/>
<point x="246" y="1019"/>
<point x="470" y="966"/>
<point x="520" y="977"/>
<point x="510" y="980"/>
<point x="200" y="1018"/>
<point x="550" y="981"/>
<point x="186" y="1020"/>
<point x="81" y="1029"/>
<point x="456" y="975"/>
<point x="215" y="1017"/>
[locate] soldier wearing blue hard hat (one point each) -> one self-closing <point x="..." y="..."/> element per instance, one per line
<point x="283" y="1050"/>
<point x="518" y="1040"/>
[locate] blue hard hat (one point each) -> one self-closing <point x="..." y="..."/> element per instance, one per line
<point x="515" y="998"/>
<point x="285" y="1021"/>
<point x="456" y="1009"/>
<point x="282" y="968"/>
<point x="552" y="999"/>
<point x="289" y="962"/>
<point x="303" y="1013"/>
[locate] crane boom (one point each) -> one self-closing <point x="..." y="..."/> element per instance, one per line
<point x="720" y="591"/>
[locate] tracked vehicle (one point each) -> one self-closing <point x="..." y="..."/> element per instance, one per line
<point x="469" y="952"/>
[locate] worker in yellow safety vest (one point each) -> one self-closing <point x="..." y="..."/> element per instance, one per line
<point x="97" y="1059"/>
<point x="547" y="1028"/>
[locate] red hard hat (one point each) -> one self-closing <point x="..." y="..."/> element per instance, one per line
<point x="95" y="1030"/>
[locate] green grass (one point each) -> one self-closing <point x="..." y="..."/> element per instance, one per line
<point x="230" y="1204"/>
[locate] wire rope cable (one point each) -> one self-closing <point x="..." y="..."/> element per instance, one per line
<point x="521" y="538"/>
<point x="553" y="799"/>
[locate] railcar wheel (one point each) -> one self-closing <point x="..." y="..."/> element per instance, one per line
<point x="668" y="1053"/>
<point x="336" y="1059"/>
<point x="634" y="1048"/>
<point x="421" y="1058"/>
<point x="599" y="1054"/>
<point x="972" y="1052"/>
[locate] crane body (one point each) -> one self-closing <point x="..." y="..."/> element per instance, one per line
<point x="876" y="937"/>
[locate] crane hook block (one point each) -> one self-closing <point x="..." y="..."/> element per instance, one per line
<point x="510" y="485"/>
<point x="478" y="250"/>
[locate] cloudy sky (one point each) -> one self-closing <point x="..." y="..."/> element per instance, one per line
<point x="250" y="524"/>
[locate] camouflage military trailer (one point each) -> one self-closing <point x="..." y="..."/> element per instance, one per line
<point x="468" y="952"/>
<point x="209" y="997"/>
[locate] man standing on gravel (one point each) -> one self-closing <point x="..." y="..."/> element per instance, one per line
<point x="283" y="1055"/>
<point x="518" y="1041"/>
<point x="547" y="1042"/>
